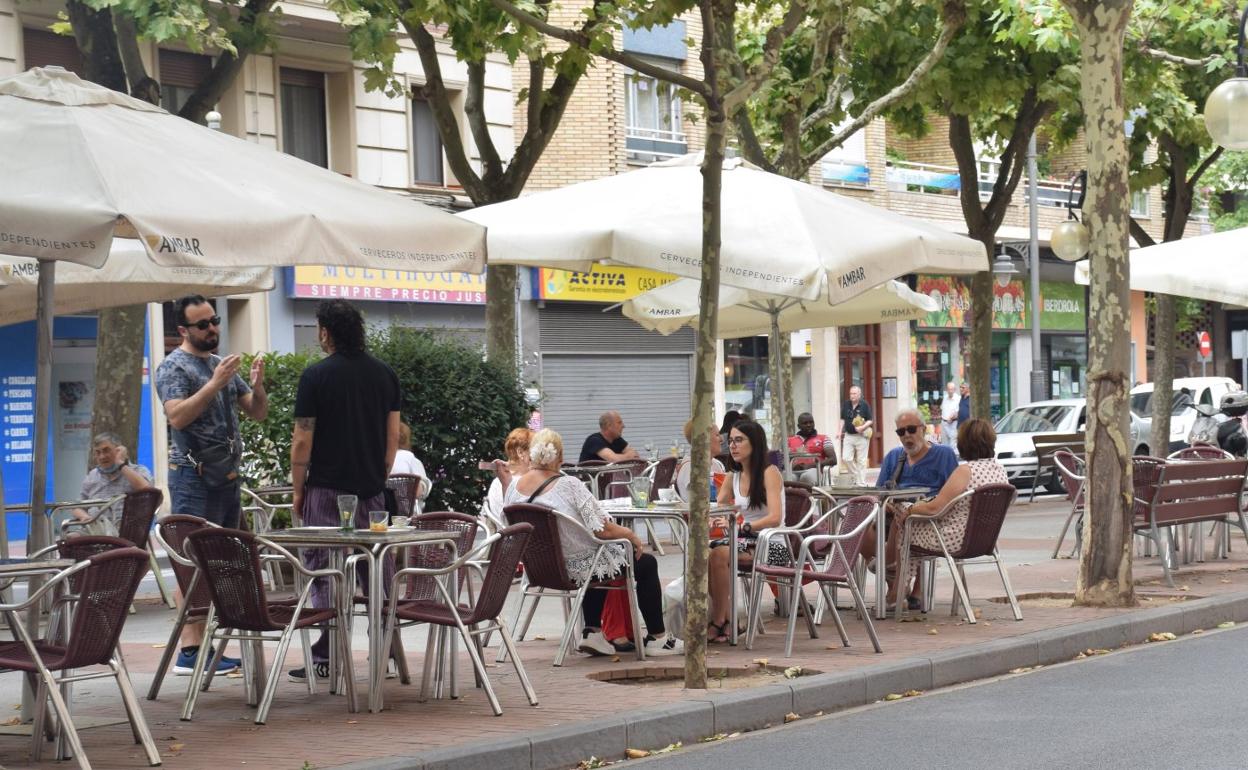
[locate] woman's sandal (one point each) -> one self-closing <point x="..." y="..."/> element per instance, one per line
<point x="721" y="633"/>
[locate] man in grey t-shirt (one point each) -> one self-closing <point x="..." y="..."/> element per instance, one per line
<point x="112" y="475"/>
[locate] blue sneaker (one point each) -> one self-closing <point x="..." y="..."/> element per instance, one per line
<point x="185" y="664"/>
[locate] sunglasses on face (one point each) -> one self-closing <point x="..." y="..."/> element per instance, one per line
<point x="204" y="324"/>
<point x="736" y="440"/>
<point x="910" y="429"/>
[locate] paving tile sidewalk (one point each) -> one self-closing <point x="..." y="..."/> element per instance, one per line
<point x="317" y="731"/>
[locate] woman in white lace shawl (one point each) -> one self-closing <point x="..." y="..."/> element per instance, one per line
<point x="543" y="484"/>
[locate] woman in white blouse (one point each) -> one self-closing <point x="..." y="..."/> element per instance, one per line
<point x="545" y="485"/>
<point x="405" y="462"/>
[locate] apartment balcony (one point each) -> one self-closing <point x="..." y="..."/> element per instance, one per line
<point x="648" y="145"/>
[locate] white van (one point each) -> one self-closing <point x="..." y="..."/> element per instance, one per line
<point x="1205" y="391"/>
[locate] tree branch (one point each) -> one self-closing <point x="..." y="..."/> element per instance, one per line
<point x="142" y="86"/>
<point x="537" y="83"/>
<point x="1166" y="56"/>
<point x="440" y="104"/>
<point x="582" y="40"/>
<point x="761" y="71"/>
<point x="228" y="65"/>
<point x="1140" y="235"/>
<point x="751" y="147"/>
<point x="962" y="142"/>
<point x="474" y="111"/>
<point x="1209" y="160"/>
<point x="953" y="22"/>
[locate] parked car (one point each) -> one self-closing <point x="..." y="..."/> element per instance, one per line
<point x="1017" y="453"/>
<point x="1205" y="391"/>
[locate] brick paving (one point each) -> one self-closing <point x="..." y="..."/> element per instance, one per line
<point x="319" y="731"/>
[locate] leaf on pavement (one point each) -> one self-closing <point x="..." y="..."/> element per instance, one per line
<point x="1227" y="624"/>
<point x="762" y="661"/>
<point x="894" y="696"/>
<point x="636" y="753"/>
<point x="792" y="672"/>
<point x="1162" y="636"/>
<point x="791" y="717"/>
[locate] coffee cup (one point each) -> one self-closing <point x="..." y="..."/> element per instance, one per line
<point x="667" y="495"/>
<point x="399" y="521"/>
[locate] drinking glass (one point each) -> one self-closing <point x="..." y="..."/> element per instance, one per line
<point x="346" y="511"/>
<point x="639" y="491"/>
<point x="378" y="521"/>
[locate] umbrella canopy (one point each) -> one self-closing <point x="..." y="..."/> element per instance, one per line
<point x="83" y="160"/>
<point x="128" y="278"/>
<point x="780" y="236"/>
<point x="743" y="313"/>
<point x="1207" y="267"/>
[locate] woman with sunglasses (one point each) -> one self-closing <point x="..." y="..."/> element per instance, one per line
<point x="757" y="490"/>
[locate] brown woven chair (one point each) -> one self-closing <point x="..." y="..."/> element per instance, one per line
<point x="1071" y="469"/>
<point x="171" y="533"/>
<point x="75" y="549"/>
<point x="1200" y="451"/>
<point x="105" y="584"/>
<point x="432" y="557"/>
<point x="406" y="489"/>
<point x="546" y="575"/>
<point x="663" y="475"/>
<point x="988" y="507"/>
<point x="229" y="562"/>
<point x="834" y="568"/>
<point x="135" y="525"/>
<point x="471" y="620"/>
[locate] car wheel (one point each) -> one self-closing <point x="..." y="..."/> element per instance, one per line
<point x="1054" y="486"/>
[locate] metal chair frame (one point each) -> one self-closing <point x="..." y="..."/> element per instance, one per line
<point x="54" y="688"/>
<point x="470" y="636"/>
<point x="573" y="597"/>
<point x="1068" y="465"/>
<point x="201" y="678"/>
<point x="144" y="542"/>
<point x="956" y="563"/>
<point x="813" y="535"/>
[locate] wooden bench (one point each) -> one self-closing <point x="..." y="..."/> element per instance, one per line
<point x="1046" y="445"/>
<point x="1190" y="493"/>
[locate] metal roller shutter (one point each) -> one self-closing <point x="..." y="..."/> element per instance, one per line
<point x="46" y="49"/>
<point x="650" y="391"/>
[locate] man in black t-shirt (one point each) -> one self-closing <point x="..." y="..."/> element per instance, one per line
<point x="608" y="443"/>
<point x="346" y="435"/>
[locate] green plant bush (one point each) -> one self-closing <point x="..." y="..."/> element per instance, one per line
<point x="266" y="445"/>
<point x="460" y="408"/>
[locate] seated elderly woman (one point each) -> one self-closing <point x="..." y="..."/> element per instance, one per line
<point x="516" y="450"/>
<point x="977" y="442"/>
<point x="543" y="484"/>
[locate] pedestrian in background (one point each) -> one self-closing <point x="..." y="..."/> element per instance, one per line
<point x="855" y="435"/>
<point x="949" y="415"/>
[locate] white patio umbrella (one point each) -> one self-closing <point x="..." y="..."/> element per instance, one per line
<point x="80" y="163"/>
<point x="1207" y="267"/>
<point x="127" y="278"/>
<point x="743" y="313"/>
<point x="780" y="236"/>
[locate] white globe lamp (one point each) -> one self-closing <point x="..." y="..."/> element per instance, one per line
<point x="1070" y="240"/>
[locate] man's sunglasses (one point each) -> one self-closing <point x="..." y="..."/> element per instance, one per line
<point x="911" y="429"/>
<point x="204" y="324"/>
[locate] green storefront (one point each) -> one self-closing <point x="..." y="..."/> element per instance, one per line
<point x="1063" y="338"/>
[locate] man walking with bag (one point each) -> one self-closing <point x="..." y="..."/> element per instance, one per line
<point x="202" y="394"/>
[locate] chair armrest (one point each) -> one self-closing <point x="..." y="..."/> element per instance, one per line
<point x="53" y="582"/>
<point x="466" y="560"/>
<point x="101" y="506"/>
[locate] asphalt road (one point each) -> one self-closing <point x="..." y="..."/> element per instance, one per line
<point x="1174" y="704"/>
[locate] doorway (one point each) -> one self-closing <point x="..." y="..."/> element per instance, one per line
<point x="860" y="365"/>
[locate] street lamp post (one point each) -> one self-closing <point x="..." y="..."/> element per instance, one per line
<point x="1039" y="379"/>
<point x="1070" y="240"/>
<point x="1226" y="109"/>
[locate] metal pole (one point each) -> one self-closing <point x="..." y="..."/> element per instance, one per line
<point x="40" y="534"/>
<point x="1039" y="377"/>
<point x="778" y="392"/>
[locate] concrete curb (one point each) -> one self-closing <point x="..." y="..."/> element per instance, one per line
<point x="691" y="720"/>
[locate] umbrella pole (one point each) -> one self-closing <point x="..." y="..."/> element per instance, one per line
<point x="777" y="389"/>
<point x="38" y="534"/>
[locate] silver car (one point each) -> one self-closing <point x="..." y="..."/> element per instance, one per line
<point x="1017" y="453"/>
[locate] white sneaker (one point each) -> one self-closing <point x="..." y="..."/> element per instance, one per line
<point x="670" y="645"/>
<point x="595" y="644"/>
